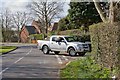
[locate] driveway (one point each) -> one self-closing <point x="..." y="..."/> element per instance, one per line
<point x="29" y="62"/>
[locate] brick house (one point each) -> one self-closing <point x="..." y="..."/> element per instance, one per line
<point x="53" y="27"/>
<point x="36" y="24"/>
<point x="26" y="31"/>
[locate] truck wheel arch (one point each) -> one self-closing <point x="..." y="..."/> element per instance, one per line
<point x="69" y="48"/>
<point x="44" y="45"/>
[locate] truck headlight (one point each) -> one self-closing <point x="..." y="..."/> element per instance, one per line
<point x="79" y="45"/>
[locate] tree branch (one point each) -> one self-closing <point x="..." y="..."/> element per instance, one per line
<point x="101" y="13"/>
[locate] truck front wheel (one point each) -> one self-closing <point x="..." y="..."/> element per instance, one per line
<point x="45" y="49"/>
<point x="71" y="52"/>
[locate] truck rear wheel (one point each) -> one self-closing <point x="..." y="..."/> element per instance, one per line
<point x="45" y="49"/>
<point x="71" y="52"/>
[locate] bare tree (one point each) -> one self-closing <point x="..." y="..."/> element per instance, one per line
<point x="6" y="24"/>
<point x="20" y="19"/>
<point x="46" y="11"/>
<point x="113" y="10"/>
<point x="6" y="19"/>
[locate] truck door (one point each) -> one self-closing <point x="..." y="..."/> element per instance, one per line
<point x="54" y="44"/>
<point x="62" y="44"/>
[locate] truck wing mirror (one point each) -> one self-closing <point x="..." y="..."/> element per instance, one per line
<point x="62" y="40"/>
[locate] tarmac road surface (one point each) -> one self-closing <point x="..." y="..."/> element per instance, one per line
<point x="29" y="62"/>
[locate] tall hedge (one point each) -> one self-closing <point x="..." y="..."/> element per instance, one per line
<point x="105" y="39"/>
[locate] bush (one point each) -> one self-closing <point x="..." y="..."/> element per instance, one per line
<point x="37" y="36"/>
<point x="52" y="33"/>
<point x="105" y="39"/>
<point x="82" y="38"/>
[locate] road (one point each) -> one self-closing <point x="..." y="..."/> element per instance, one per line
<point x="29" y="62"/>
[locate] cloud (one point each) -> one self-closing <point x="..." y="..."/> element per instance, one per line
<point x="15" y="5"/>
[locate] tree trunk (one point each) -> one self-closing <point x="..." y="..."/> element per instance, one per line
<point x="102" y="15"/>
<point x="46" y="19"/>
<point x="111" y="12"/>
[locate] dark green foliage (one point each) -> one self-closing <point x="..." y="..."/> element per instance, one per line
<point x="105" y="39"/>
<point x="80" y="14"/>
<point x="83" y="13"/>
<point x="85" y="69"/>
<point x="62" y="24"/>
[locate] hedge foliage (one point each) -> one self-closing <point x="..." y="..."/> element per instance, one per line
<point x="74" y="32"/>
<point x="83" y="35"/>
<point x="105" y="39"/>
<point x="37" y="36"/>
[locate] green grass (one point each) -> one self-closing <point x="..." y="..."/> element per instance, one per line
<point x="4" y="49"/>
<point x="84" y="68"/>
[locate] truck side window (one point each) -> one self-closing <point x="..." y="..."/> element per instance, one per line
<point x="53" y="39"/>
<point x="61" y="38"/>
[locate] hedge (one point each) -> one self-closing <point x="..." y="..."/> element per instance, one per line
<point x="73" y="32"/>
<point x="80" y="34"/>
<point x="105" y="39"/>
<point x="37" y="36"/>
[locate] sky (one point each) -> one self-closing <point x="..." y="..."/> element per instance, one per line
<point x="19" y="5"/>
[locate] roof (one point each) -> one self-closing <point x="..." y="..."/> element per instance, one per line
<point x="31" y="29"/>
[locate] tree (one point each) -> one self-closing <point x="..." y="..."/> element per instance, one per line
<point x="20" y="19"/>
<point x="63" y="24"/>
<point x="6" y="19"/>
<point x="6" y="24"/>
<point x="83" y="13"/>
<point x="46" y="12"/>
<point x="113" y="13"/>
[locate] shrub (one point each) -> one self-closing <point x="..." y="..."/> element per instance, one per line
<point x="73" y="32"/>
<point x="105" y="39"/>
<point x="52" y="33"/>
<point x="37" y="36"/>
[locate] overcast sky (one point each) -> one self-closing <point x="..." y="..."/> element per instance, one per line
<point x="19" y="5"/>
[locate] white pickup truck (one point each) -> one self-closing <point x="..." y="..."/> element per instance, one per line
<point x="59" y="43"/>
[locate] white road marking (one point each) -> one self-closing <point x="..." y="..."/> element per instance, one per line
<point x="3" y="70"/>
<point x="19" y="60"/>
<point x="59" y="60"/>
<point x="29" y="51"/>
<point x="15" y="62"/>
<point x="65" y="58"/>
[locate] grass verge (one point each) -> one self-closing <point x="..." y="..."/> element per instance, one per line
<point x="5" y="49"/>
<point x="84" y="68"/>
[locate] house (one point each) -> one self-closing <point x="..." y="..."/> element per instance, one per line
<point x="53" y="27"/>
<point x="37" y="25"/>
<point x="35" y="28"/>
<point x="26" y="31"/>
